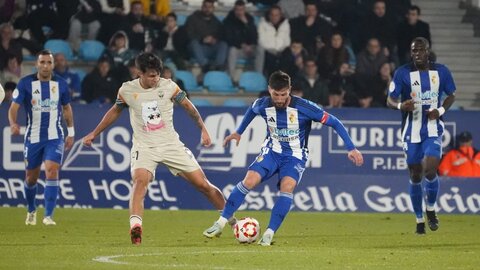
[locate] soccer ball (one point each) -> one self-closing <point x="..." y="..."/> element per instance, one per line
<point x="246" y="230"/>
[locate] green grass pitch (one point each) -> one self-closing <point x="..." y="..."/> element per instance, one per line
<point x="99" y="239"/>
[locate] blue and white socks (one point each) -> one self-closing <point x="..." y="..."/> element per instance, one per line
<point x="431" y="189"/>
<point x="416" y="195"/>
<point x="30" y="193"/>
<point x="51" y="195"/>
<point x="280" y="210"/>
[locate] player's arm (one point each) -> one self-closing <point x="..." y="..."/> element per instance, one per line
<point x="181" y="98"/>
<point x="395" y="90"/>
<point x="12" y="118"/>
<point x="110" y="117"/>
<point x="353" y="154"/>
<point x="68" y="115"/>
<point x="237" y="135"/>
<point x="447" y="103"/>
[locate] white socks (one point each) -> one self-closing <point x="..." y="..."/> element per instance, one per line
<point x="134" y="219"/>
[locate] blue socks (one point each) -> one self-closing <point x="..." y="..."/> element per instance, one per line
<point x="51" y="194"/>
<point x="416" y="195"/>
<point x="280" y="210"/>
<point x="235" y="200"/>
<point x="431" y="189"/>
<point x="30" y="193"/>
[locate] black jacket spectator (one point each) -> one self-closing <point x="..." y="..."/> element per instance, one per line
<point x="238" y="32"/>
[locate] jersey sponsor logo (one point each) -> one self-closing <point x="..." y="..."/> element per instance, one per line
<point x="46" y="105"/>
<point x="283" y="131"/>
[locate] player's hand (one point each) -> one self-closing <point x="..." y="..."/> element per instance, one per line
<point x="68" y="143"/>
<point x="15" y="129"/>
<point x="88" y="140"/>
<point x="206" y="141"/>
<point x="233" y="136"/>
<point x="433" y="114"/>
<point x="408" y="105"/>
<point x="356" y="157"/>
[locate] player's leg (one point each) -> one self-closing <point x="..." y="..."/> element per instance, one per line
<point x="33" y="159"/>
<point x="433" y="152"/>
<point x="141" y="178"/>
<point x="53" y="155"/>
<point x="198" y="179"/>
<point x="414" y="160"/>
<point x="280" y="209"/>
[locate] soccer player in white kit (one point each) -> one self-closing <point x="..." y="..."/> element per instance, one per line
<point x="150" y="101"/>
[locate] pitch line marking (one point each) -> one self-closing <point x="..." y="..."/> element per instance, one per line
<point x="112" y="258"/>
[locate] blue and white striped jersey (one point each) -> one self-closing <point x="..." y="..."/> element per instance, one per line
<point x="43" y="101"/>
<point x="426" y="89"/>
<point x="288" y="128"/>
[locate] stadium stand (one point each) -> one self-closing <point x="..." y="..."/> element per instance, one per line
<point x="91" y="50"/>
<point x="219" y="82"/>
<point x="60" y="46"/>
<point x="189" y="80"/>
<point x="251" y="81"/>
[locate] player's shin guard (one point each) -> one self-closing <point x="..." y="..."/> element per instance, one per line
<point x="30" y="193"/>
<point x="431" y="189"/>
<point x="235" y="200"/>
<point x="416" y="195"/>
<point x="280" y="210"/>
<point x="51" y="194"/>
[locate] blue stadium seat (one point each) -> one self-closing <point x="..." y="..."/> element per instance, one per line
<point x="81" y="73"/>
<point x="235" y="102"/>
<point x="201" y="102"/>
<point x="60" y="46"/>
<point x="181" y="19"/>
<point x="189" y="80"/>
<point x="218" y="81"/>
<point x="91" y="50"/>
<point x="251" y="81"/>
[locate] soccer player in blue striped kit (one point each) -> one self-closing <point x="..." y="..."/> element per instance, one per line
<point x="420" y="85"/>
<point x="284" y="152"/>
<point x="46" y="98"/>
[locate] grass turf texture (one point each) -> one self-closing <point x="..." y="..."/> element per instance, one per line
<point x="173" y="240"/>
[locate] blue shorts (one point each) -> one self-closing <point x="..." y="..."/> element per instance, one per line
<point x="35" y="153"/>
<point x="415" y="152"/>
<point x="269" y="163"/>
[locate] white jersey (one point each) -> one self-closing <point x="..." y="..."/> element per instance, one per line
<point x="151" y="112"/>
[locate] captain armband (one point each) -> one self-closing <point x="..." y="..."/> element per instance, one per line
<point x="180" y="96"/>
<point x="121" y="103"/>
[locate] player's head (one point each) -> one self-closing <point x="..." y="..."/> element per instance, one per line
<point x="419" y="51"/>
<point x="45" y="65"/>
<point x="279" y="85"/>
<point x="150" y="67"/>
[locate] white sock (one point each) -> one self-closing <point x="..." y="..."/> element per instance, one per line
<point x="430" y="207"/>
<point x="420" y="220"/>
<point x="269" y="231"/>
<point x="134" y="219"/>
<point x="222" y="221"/>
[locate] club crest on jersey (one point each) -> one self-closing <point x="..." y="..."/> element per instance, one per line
<point x="292" y="117"/>
<point x="160" y="95"/>
<point x="260" y="158"/>
<point x="135" y="95"/>
<point x="434" y="79"/>
<point x="54" y="89"/>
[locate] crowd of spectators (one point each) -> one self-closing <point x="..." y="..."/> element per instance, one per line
<point x="339" y="53"/>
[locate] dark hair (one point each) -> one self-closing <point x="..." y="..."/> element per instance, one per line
<point x="422" y="40"/>
<point x="10" y="86"/>
<point x="239" y="3"/>
<point x="414" y="7"/>
<point x="173" y="15"/>
<point x="148" y="60"/>
<point x="44" y="52"/>
<point x="209" y="1"/>
<point x="279" y="80"/>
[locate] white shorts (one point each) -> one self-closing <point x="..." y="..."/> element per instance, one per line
<point x="177" y="158"/>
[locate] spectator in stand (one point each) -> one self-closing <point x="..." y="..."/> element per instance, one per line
<point x="343" y="86"/>
<point x="73" y="80"/>
<point x="156" y="10"/>
<point x="168" y="73"/>
<point x="133" y="72"/>
<point x="292" y="58"/>
<point x="205" y="32"/>
<point x="313" y="86"/>
<point x="172" y="42"/>
<point x="310" y="26"/>
<point x="88" y="16"/>
<point x="11" y="10"/>
<point x="100" y="85"/>
<point x="370" y="59"/>
<point x="380" y="25"/>
<point x="379" y="86"/>
<point x="409" y="29"/>
<point x="114" y="11"/>
<point x="463" y="161"/>
<point x="42" y="13"/>
<point x="11" y="45"/>
<point x="139" y="28"/>
<point x="9" y="87"/>
<point x="119" y="54"/>
<point x="292" y="8"/>
<point x="12" y="71"/>
<point x="241" y="36"/>
<point x="273" y="38"/>
<point x="333" y="55"/>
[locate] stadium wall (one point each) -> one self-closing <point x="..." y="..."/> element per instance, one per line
<point x="100" y="177"/>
